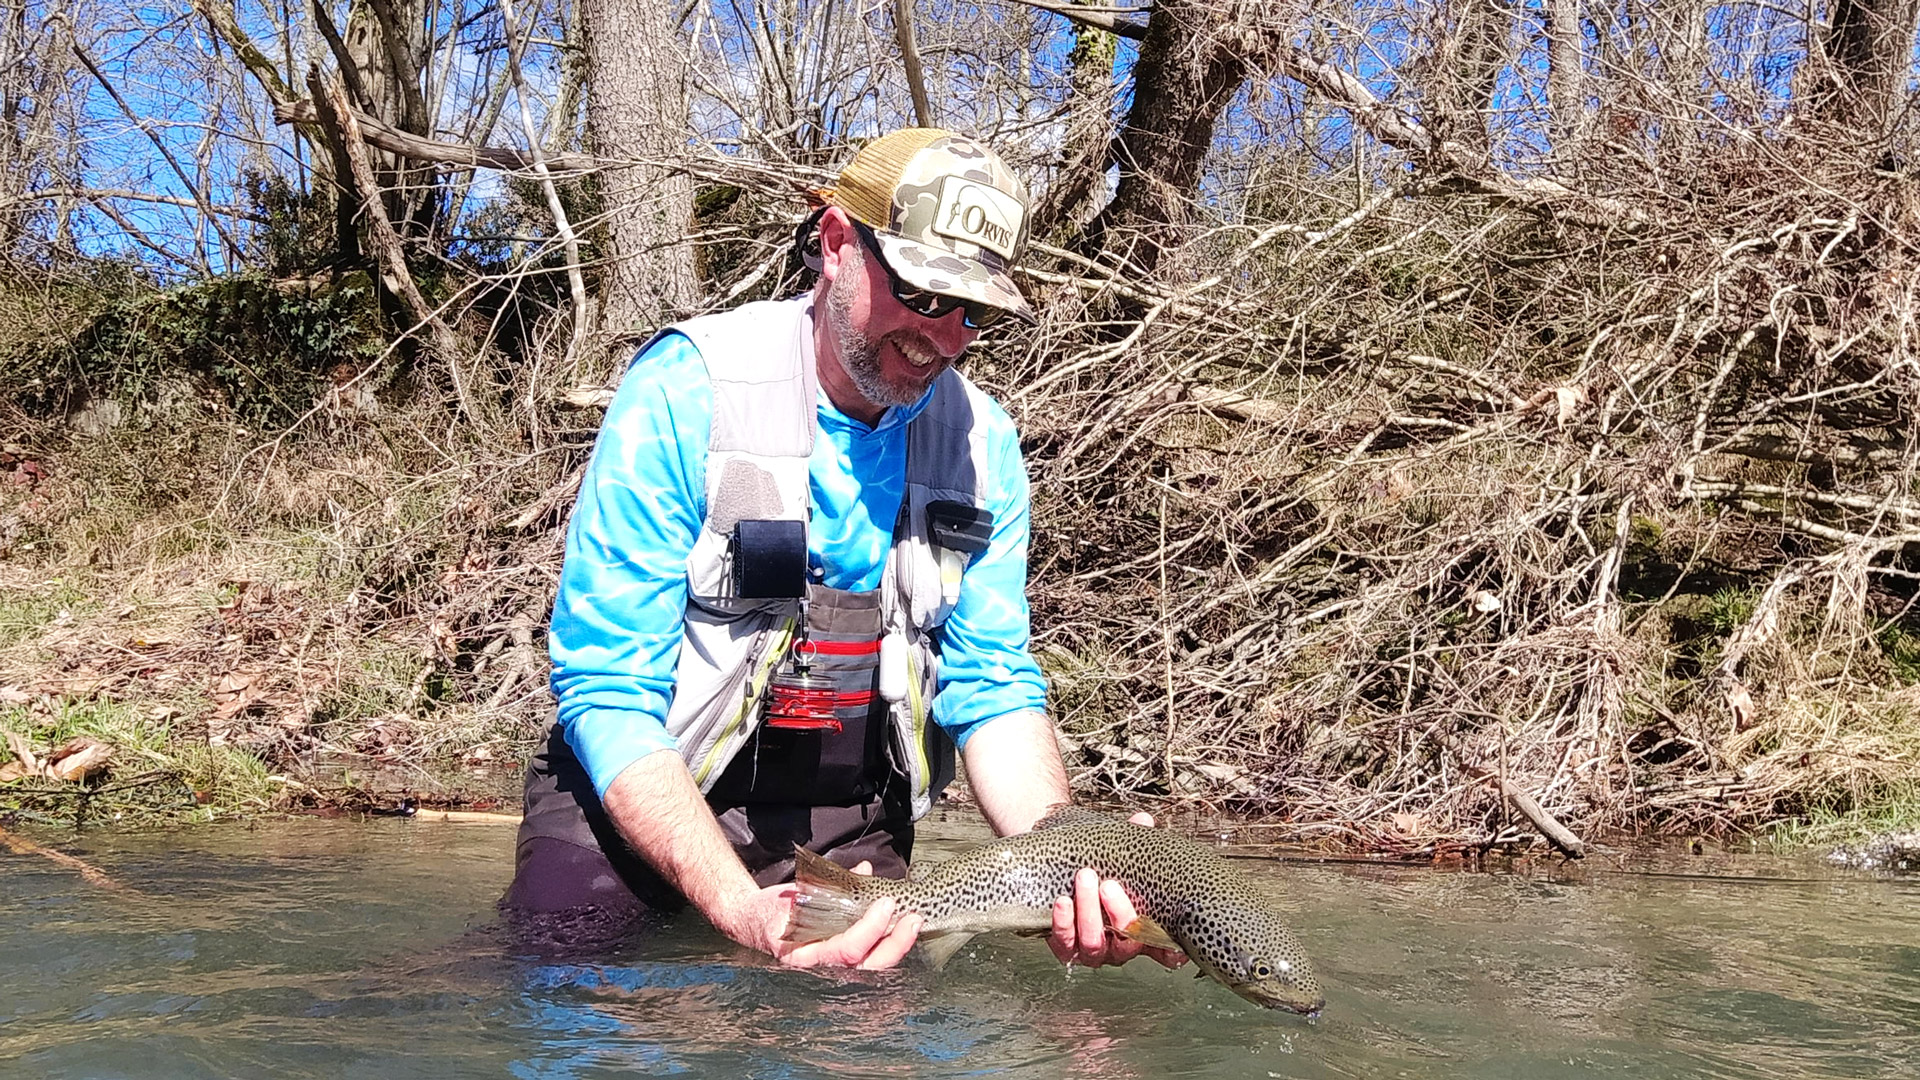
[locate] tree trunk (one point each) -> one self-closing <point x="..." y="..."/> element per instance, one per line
<point x="386" y="40"/>
<point x="1467" y="69"/>
<point x="637" y="123"/>
<point x="1192" y="63"/>
<point x="1073" y="196"/>
<point x="1867" y="53"/>
<point x="1566" y="82"/>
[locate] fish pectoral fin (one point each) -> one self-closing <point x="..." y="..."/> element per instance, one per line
<point x="941" y="947"/>
<point x="1147" y="932"/>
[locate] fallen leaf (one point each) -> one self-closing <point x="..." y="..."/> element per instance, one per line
<point x="81" y="759"/>
<point x="1568" y="398"/>
<point x="1408" y="824"/>
<point x="1397" y="485"/>
<point x="23" y="751"/>
<point x="1486" y="602"/>
<point x="1740" y="702"/>
<point x="236" y="692"/>
<point x="1566" y="401"/>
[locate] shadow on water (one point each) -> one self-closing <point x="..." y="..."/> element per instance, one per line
<point x="309" y="949"/>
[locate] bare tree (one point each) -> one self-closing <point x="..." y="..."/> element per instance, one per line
<point x="1566" y="76"/>
<point x="1192" y="63"/>
<point x="636" y="117"/>
<point x="1070" y="200"/>
<point x="1868" y="57"/>
<point x="39" y="143"/>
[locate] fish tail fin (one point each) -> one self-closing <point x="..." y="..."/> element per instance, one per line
<point x="829" y="900"/>
<point x="941" y="947"/>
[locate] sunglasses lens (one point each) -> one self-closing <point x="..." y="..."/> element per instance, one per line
<point x="927" y="305"/>
<point x="930" y="305"/>
<point x="981" y="316"/>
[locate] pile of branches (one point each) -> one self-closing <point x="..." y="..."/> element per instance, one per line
<point x="1364" y="514"/>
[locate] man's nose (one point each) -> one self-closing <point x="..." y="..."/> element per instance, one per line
<point x="950" y="333"/>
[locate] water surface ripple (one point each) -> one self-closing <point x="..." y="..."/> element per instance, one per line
<point x="370" y="949"/>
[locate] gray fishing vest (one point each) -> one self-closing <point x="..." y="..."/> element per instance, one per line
<point x="760" y="359"/>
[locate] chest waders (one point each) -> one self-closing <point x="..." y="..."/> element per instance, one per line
<point x="840" y="755"/>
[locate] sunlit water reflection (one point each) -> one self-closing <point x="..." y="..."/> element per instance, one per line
<point x="351" y="949"/>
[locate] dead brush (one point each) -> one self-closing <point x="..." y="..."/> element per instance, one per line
<point x="1365" y="513"/>
<point x="348" y="593"/>
<point x="1382" y="509"/>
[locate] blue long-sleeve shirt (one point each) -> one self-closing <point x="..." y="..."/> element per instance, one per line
<point x="616" y="629"/>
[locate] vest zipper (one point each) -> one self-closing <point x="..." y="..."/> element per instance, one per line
<point x="755" y="688"/>
<point x="924" y="782"/>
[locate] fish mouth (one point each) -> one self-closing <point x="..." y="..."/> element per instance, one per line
<point x="1303" y="1004"/>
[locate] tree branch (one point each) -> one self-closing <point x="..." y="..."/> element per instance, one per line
<point x="421" y="148"/>
<point x="910" y="57"/>
<point x="349" y="71"/>
<point x="219" y="14"/>
<point x="337" y="117"/>
<point x="1099" y="20"/>
<point x="200" y="200"/>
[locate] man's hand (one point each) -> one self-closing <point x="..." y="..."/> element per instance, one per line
<point x="875" y="941"/>
<point x="1080" y="922"/>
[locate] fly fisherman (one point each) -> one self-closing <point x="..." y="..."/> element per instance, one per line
<point x="795" y="581"/>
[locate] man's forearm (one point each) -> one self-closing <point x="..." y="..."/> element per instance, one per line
<point x="1014" y="769"/>
<point x="663" y="817"/>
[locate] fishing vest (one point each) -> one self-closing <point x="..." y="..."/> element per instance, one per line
<point x="760" y="360"/>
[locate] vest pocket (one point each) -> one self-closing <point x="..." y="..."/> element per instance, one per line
<point x="816" y="765"/>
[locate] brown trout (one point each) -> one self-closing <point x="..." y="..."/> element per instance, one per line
<point x="1188" y="898"/>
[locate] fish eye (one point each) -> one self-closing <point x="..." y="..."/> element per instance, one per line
<point x="1261" y="970"/>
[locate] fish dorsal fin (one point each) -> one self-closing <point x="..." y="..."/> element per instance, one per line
<point x="1147" y="932"/>
<point x="941" y="947"/>
<point x="818" y="870"/>
<point x="1073" y="815"/>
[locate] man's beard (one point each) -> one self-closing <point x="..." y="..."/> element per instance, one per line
<point x="860" y="354"/>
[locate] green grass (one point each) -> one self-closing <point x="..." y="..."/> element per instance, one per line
<point x="155" y="773"/>
<point x="1902" y="650"/>
<point x="1896" y="809"/>
<point x="1728" y="609"/>
<point x="26" y="612"/>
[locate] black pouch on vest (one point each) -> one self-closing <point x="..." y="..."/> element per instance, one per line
<point x="821" y="767"/>
<point x="769" y="559"/>
<point x="959" y="526"/>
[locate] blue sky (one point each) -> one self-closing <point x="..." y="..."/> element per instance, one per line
<point x="185" y="94"/>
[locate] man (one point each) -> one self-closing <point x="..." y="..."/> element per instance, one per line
<point x="795" y="579"/>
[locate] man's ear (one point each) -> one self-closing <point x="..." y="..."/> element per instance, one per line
<point x="836" y="236"/>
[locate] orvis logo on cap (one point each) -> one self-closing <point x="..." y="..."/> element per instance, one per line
<point x="978" y="214"/>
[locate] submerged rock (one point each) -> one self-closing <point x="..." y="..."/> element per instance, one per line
<point x="1888" y="851"/>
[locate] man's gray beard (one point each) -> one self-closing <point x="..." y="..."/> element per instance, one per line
<point x="860" y="354"/>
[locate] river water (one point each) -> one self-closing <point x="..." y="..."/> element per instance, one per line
<point x="354" y="949"/>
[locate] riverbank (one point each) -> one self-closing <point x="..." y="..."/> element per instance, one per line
<point x="250" y="624"/>
<point x="1432" y="521"/>
<point x="206" y="624"/>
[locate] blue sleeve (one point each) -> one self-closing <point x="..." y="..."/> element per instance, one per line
<point x="986" y="670"/>
<point x="616" y="630"/>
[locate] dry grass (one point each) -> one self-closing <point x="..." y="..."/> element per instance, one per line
<point x="346" y="595"/>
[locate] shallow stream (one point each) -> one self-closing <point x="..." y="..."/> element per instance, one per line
<point x="316" y="948"/>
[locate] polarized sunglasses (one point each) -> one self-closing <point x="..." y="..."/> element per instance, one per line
<point x="929" y="305"/>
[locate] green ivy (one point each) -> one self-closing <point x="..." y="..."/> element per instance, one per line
<point x="259" y="351"/>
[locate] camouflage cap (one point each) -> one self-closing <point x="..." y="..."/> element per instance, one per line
<point x="950" y="216"/>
